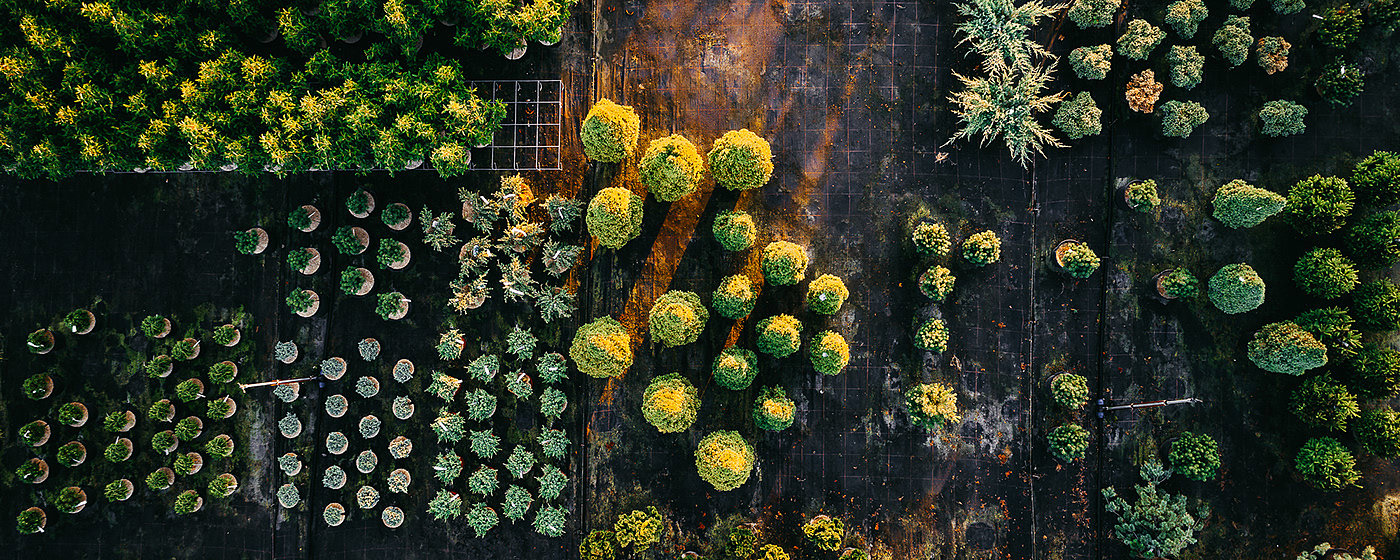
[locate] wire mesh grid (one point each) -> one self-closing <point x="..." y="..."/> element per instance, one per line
<point x="531" y="134"/>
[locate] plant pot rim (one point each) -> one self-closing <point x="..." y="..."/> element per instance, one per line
<point x="1157" y="282"/>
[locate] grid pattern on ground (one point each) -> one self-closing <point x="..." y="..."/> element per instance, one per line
<point x="531" y="134"/>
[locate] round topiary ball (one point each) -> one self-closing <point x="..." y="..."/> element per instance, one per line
<point x="610" y="132"/>
<point x="825" y="294"/>
<point x="734" y="230"/>
<point x="614" y="216"/>
<point x="932" y="336"/>
<point x="784" y="263"/>
<point x="773" y="410"/>
<point x="741" y="160"/>
<point x="602" y="348"/>
<point x="779" y="336"/>
<point x="724" y="459"/>
<point x="677" y="318"/>
<point x="829" y="353"/>
<point x="671" y="168"/>
<point x="1236" y="288"/>
<point x="931" y="238"/>
<point x="735" y="368"/>
<point x="735" y="296"/>
<point x="670" y="403"/>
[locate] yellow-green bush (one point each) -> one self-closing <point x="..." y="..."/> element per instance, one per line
<point x="825" y="294"/>
<point x="773" y="410"/>
<point x="741" y="160"/>
<point x="735" y="230"/>
<point x="784" y="263"/>
<point x="610" y="132"/>
<point x="670" y="403"/>
<point x="779" y="335"/>
<point x="677" y="318"/>
<point x="829" y="352"/>
<point x="735" y="296"/>
<point x="724" y="459"/>
<point x="735" y="368"/>
<point x="671" y="168"/>
<point x="602" y="348"/>
<point x="932" y="405"/>
<point x="615" y="216"/>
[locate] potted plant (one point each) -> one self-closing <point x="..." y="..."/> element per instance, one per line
<point x="350" y="240"/>
<point x="397" y="216"/>
<point x="369" y="349"/>
<point x="287" y="392"/>
<point x="337" y="443"/>
<point x="403" y="371"/>
<point x="35" y="433"/>
<point x="289" y="463"/>
<point x="356" y="281"/>
<point x="366" y="496"/>
<point x="290" y="426"/>
<point x="334" y="478"/>
<point x="450" y="345"/>
<point x="223" y="372"/>
<point x="189" y="428"/>
<point x="160" y="366"/>
<point x="392" y="517"/>
<point x="1176" y="283"/>
<point x="160" y="479"/>
<point x="369" y="426"/>
<point x="252" y="241"/>
<point x="72" y="454"/>
<point x="40" y="341"/>
<point x="185" y="350"/>
<point x="223" y="485"/>
<point x="366" y="461"/>
<point x="165" y="441"/>
<point x="1141" y="196"/>
<point x="70" y="500"/>
<point x="73" y="414"/>
<point x="38" y="386"/>
<point x="226" y="335"/>
<point x="80" y="321"/>
<point x="392" y="306"/>
<point x="31" y="521"/>
<point x="398" y="481"/>
<point x="305" y="260"/>
<point x="1076" y="259"/>
<point x="220" y="446"/>
<point x="285" y="352"/>
<point x="33" y="471"/>
<point x="392" y="254"/>
<point x="119" y="421"/>
<point x="333" y="368"/>
<point x="118" y="490"/>
<point x="360" y="203"/>
<point x="189" y="463"/>
<point x="155" y="326"/>
<point x="367" y="386"/>
<point x="403" y="408"/>
<point x="187" y="502"/>
<point x="304" y="302"/>
<point x="119" y="450"/>
<point x="334" y="514"/>
<point x="221" y="408"/>
<point x="161" y="411"/>
<point x="190" y="390"/>
<point x="305" y="218"/>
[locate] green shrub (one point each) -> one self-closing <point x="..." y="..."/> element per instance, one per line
<point x="1077" y="259"/>
<point x="1327" y="464"/>
<point x="825" y="533"/>
<point x="932" y="405"/>
<point x="1340" y="27"/>
<point x="614" y="217"/>
<point x="1184" y="16"/>
<point x="638" y="529"/>
<point x="1092" y="63"/>
<point x="773" y="410"/>
<point x="724" y="459"/>
<point x="1324" y="273"/>
<point x="1272" y="54"/>
<point x="741" y="160"/>
<point x="829" y="353"/>
<point x="1068" y="442"/>
<point x="1332" y="326"/>
<point x="1158" y="525"/>
<point x="670" y="403"/>
<point x="1378" y="432"/>
<point x="1236" y="288"/>
<point x="772" y="552"/>
<point x="1372" y="240"/>
<point x="982" y="248"/>
<point x="735" y="368"/>
<point x="825" y="294"/>
<point x="602" y="348"/>
<point x="784" y="263"/>
<point x="1180" y="283"/>
<point x="598" y="545"/>
<point x="1241" y="205"/>
<point x="1005" y="103"/>
<point x="1142" y="195"/>
<point x="1185" y="65"/>
<point x="671" y="168"/>
<point x="610" y="132"/>
<point x="1069" y="390"/>
<point x="1325" y="404"/>
<point x="1139" y="40"/>
<point x="742" y="541"/>
<point x="1078" y="117"/>
<point x="1093" y="13"/>
<point x="1376" y="179"/>
<point x="677" y="318"/>
<point x="937" y="283"/>
<point x="931" y="238"/>
<point x="1233" y="39"/>
<point x="1376" y="306"/>
<point x="1285" y="7"/>
<point x="1285" y="347"/>
<point x="1340" y="82"/>
<point x="734" y="298"/>
<point x="735" y="231"/>
<point x="1195" y="456"/>
<point x="1180" y="118"/>
<point x="1319" y="205"/>
<point x="779" y="336"/>
<point x="1374" y="373"/>
<point x="932" y="336"/>
<point x="1282" y="118"/>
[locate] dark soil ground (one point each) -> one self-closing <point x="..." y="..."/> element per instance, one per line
<point x="852" y="97"/>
